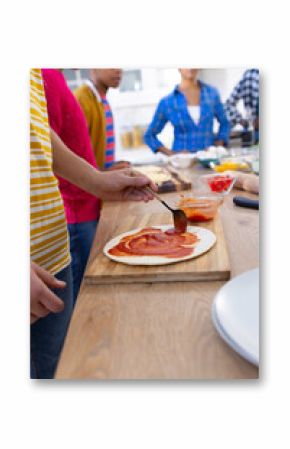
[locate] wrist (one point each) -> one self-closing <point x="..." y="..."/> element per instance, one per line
<point x="95" y="182"/>
<point x="164" y="150"/>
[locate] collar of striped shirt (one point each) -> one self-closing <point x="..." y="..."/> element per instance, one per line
<point x="91" y="85"/>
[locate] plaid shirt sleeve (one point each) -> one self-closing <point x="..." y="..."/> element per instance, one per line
<point x="220" y="114"/>
<point x="158" y="122"/>
<point x="231" y="104"/>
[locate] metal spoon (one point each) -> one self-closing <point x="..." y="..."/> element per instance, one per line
<point x="179" y="217"/>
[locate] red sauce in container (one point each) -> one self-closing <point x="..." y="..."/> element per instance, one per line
<point x="199" y="209"/>
<point x="155" y="242"/>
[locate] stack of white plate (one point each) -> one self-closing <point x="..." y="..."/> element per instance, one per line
<point x="235" y="314"/>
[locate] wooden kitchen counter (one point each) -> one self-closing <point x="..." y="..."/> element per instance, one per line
<point x="162" y="330"/>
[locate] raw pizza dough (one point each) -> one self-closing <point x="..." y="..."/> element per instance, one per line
<point x="157" y="174"/>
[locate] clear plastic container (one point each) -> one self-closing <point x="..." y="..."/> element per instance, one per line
<point x="215" y="184"/>
<point x="199" y="208"/>
<point x="231" y="164"/>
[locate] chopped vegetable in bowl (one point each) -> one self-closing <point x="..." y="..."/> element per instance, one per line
<point x="220" y="184"/>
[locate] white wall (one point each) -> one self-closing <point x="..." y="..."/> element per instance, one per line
<point x="223" y="79"/>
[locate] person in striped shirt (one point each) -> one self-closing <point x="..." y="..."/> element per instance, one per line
<point x="92" y="97"/>
<point x="51" y="298"/>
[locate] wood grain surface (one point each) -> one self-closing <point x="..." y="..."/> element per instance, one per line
<point x="157" y="330"/>
<point x="213" y="265"/>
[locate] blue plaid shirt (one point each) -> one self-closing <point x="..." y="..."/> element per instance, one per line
<point x="189" y="135"/>
<point x="246" y="90"/>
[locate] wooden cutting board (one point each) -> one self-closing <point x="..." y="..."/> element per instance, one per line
<point x="167" y="180"/>
<point x="213" y="265"/>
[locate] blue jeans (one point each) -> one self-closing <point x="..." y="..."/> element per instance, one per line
<point x="81" y="239"/>
<point x="48" y="333"/>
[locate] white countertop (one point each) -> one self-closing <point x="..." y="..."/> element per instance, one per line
<point x="140" y="156"/>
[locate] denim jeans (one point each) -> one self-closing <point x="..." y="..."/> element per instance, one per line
<point x="81" y="239"/>
<point x="48" y="333"/>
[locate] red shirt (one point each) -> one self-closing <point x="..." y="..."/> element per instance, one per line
<point x="66" y="118"/>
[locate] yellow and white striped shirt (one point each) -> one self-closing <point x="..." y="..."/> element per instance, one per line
<point x="49" y="246"/>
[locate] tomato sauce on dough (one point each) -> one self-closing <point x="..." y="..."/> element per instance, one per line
<point x="155" y="242"/>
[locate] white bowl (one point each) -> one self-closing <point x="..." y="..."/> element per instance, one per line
<point x="181" y="160"/>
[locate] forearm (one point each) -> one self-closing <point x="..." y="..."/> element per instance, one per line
<point x="223" y="134"/>
<point x="73" y="168"/>
<point x="158" y="122"/>
<point x="224" y="128"/>
<point x="152" y="141"/>
<point x="224" y="123"/>
<point x="121" y="185"/>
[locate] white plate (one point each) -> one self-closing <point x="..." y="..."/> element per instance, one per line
<point x="207" y="240"/>
<point x="235" y="314"/>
